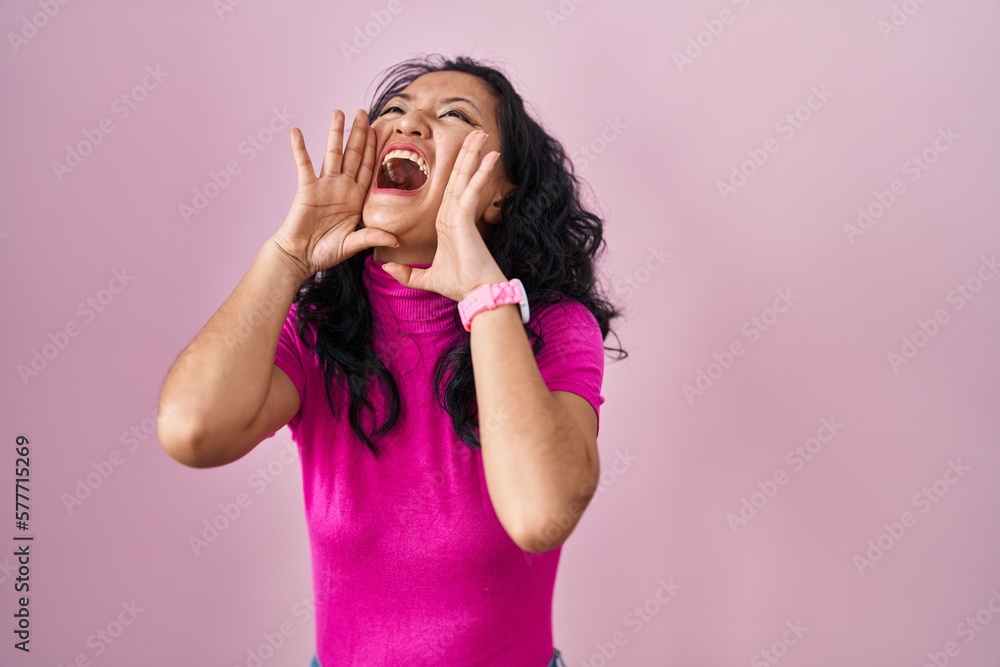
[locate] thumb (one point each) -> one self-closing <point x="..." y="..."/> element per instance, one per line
<point x="368" y="237"/>
<point x="405" y="275"/>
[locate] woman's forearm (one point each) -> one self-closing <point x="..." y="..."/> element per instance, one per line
<point x="537" y="462"/>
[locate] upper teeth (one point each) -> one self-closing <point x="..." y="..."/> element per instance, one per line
<point x="408" y="155"/>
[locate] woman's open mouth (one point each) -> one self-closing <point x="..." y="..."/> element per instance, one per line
<point x="403" y="172"/>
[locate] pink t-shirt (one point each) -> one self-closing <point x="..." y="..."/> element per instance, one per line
<point x="410" y="564"/>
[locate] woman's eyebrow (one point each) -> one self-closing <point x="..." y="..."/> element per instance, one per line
<point x="447" y="100"/>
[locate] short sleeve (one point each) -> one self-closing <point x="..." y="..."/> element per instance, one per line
<point x="288" y="357"/>
<point x="572" y="358"/>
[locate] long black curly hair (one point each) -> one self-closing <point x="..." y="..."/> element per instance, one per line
<point x="547" y="238"/>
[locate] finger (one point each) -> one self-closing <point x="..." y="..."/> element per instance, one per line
<point x="471" y="194"/>
<point x="334" y="144"/>
<point x="459" y="177"/>
<point x="406" y="275"/>
<point x="356" y="144"/>
<point x="367" y="237"/>
<point x="306" y="171"/>
<point x="470" y="162"/>
<point x="368" y="161"/>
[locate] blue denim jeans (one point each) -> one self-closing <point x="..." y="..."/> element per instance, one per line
<point x="557" y="660"/>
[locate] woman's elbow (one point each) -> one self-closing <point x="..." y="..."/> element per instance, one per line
<point x="179" y="439"/>
<point x="548" y="531"/>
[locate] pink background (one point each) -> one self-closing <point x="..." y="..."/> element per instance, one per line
<point x="661" y="137"/>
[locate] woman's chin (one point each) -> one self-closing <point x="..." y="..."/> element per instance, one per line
<point x="389" y="218"/>
<point x="372" y="217"/>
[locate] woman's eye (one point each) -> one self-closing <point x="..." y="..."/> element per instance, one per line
<point x="457" y="113"/>
<point x="460" y="115"/>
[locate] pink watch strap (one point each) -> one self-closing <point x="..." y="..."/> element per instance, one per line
<point x="487" y="297"/>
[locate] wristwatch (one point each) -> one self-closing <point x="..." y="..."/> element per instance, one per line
<point x="489" y="296"/>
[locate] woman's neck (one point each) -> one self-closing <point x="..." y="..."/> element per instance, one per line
<point x="402" y="308"/>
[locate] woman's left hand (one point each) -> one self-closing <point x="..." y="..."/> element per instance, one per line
<point x="462" y="262"/>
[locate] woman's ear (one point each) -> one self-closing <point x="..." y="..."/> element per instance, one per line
<point x="492" y="213"/>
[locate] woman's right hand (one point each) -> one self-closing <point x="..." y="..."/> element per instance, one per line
<point x="319" y="230"/>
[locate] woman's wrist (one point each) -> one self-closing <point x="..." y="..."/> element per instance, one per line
<point x="296" y="266"/>
<point x="493" y="279"/>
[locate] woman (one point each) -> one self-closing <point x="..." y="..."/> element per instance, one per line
<point x="427" y="323"/>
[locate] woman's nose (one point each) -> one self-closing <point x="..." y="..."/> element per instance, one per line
<point x="412" y="122"/>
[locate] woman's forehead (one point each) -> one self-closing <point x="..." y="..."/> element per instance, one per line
<point x="450" y="83"/>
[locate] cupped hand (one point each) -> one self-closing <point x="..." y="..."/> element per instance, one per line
<point x="320" y="231"/>
<point x="461" y="261"/>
